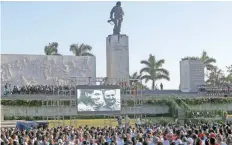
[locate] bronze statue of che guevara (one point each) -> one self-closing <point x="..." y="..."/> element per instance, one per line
<point x="116" y="16"/>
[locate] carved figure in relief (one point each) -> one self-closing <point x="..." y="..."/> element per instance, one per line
<point x="5" y="74"/>
<point x="36" y="71"/>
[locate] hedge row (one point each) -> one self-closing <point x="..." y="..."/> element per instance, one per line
<point x="183" y="101"/>
<point x="30" y="103"/>
<point x="75" y="117"/>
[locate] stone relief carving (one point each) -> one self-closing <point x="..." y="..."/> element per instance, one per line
<point x="28" y="70"/>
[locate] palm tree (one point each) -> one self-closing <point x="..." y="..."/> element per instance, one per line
<point x="51" y="49"/>
<point x="207" y="60"/>
<point x="81" y="50"/>
<point x="153" y="70"/>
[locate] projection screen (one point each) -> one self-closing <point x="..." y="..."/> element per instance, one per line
<point x="98" y="98"/>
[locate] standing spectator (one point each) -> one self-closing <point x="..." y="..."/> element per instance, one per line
<point x="161" y="86"/>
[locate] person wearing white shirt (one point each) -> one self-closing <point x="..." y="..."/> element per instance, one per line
<point x="154" y="141"/>
<point x="120" y="141"/>
<point x="190" y="141"/>
<point x="166" y="142"/>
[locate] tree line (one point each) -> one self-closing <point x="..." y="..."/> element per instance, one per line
<point x="153" y="68"/>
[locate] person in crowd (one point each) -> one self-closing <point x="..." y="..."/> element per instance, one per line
<point x="6" y="89"/>
<point x="39" y="89"/>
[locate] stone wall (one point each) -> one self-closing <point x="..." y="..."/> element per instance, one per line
<point x="45" y="70"/>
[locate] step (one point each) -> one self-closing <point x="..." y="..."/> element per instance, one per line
<point x="9" y="122"/>
<point x="8" y="126"/>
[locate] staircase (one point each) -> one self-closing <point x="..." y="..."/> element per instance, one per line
<point x="181" y="115"/>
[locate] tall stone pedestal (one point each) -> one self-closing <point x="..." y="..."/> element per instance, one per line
<point x="117" y="58"/>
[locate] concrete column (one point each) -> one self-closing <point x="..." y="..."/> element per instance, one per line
<point x="2" y="113"/>
<point x="117" y="57"/>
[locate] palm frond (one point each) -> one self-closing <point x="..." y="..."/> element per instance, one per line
<point x="135" y="76"/>
<point x="146" y="78"/>
<point x="210" y="67"/>
<point x="161" y="76"/>
<point x="81" y="49"/>
<point x="160" y="63"/>
<point x="85" y="47"/>
<point x="145" y="70"/>
<point x="145" y="62"/>
<point x="209" y="61"/>
<point x="74" y="49"/>
<point x="162" y="71"/>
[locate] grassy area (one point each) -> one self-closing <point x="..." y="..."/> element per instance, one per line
<point x="83" y="122"/>
<point x="98" y="122"/>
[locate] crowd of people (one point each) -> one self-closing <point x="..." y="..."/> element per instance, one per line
<point x="39" y="89"/>
<point x="208" y="90"/>
<point x="172" y="134"/>
<point x="46" y="89"/>
<point x="222" y="90"/>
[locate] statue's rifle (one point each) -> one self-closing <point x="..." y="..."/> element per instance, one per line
<point x="109" y="21"/>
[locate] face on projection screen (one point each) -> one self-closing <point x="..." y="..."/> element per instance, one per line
<point x="98" y="100"/>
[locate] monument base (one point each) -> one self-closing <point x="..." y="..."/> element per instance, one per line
<point x="2" y="113"/>
<point x="117" y="58"/>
